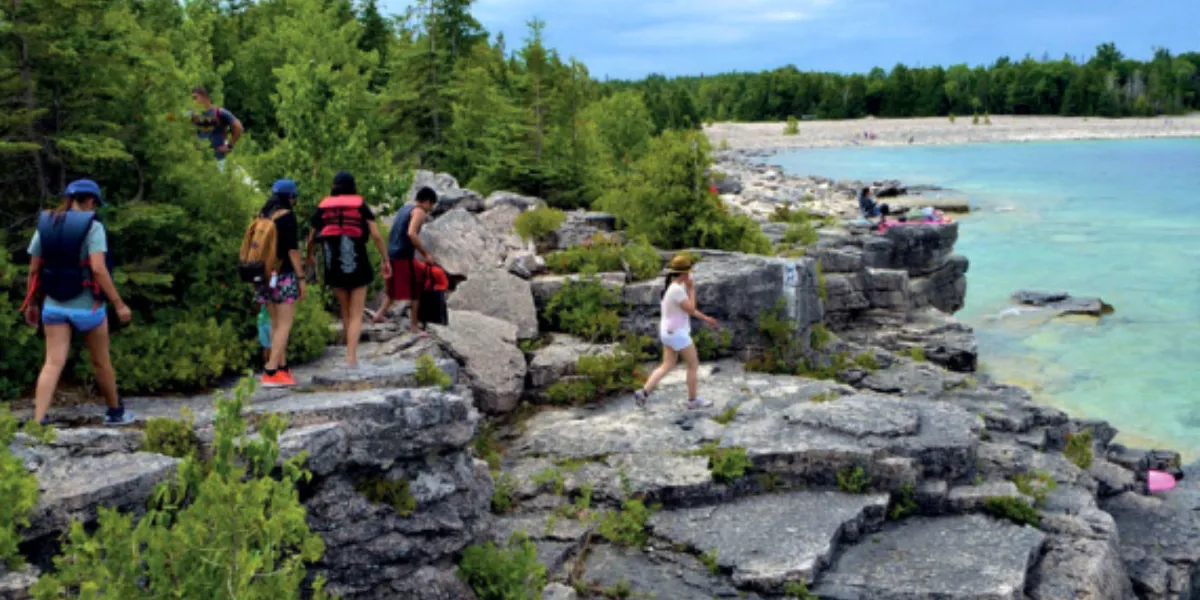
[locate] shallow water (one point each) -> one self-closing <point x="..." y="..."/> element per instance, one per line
<point x="1115" y="219"/>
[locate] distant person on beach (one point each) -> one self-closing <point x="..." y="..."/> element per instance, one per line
<point x="281" y="282"/>
<point x="215" y="125"/>
<point x="409" y="274"/>
<point x="69" y="279"/>
<point x="342" y="224"/>
<point x="868" y="207"/>
<point x="675" y="332"/>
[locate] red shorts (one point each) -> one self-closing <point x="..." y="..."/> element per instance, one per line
<point x="408" y="279"/>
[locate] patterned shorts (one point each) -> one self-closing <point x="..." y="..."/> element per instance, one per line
<point x="285" y="291"/>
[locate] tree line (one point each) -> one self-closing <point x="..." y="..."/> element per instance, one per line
<point x="1108" y="84"/>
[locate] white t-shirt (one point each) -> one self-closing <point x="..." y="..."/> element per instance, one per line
<point x="674" y="318"/>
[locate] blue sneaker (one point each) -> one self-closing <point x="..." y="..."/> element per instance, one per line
<point x="119" y="417"/>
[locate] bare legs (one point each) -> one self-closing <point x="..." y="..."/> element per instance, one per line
<point x="282" y="317"/>
<point x="352" y="303"/>
<point x="670" y="359"/>
<point x="58" y="343"/>
<point x="693" y="370"/>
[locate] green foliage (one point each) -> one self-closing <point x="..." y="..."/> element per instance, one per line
<point x="821" y="397"/>
<point x="429" y="374"/>
<point x="710" y="345"/>
<point x="504" y="493"/>
<point x="726" y="464"/>
<point x="903" y="503"/>
<point x="782" y="351"/>
<point x="770" y="483"/>
<point x="727" y="416"/>
<point x="709" y="560"/>
<point x="172" y="437"/>
<point x="392" y="492"/>
<point x="603" y="375"/>
<point x="665" y="197"/>
<point x="512" y="573"/>
<point x="1014" y="509"/>
<point x="603" y="254"/>
<point x="580" y="507"/>
<point x="792" y="127"/>
<point x="486" y="446"/>
<point x="1079" y="449"/>
<point x="586" y="308"/>
<point x="1036" y="485"/>
<point x="822" y="284"/>
<point x="802" y="234"/>
<point x="797" y="590"/>
<point x="952" y="118"/>
<point x="536" y="224"/>
<point x="975" y="119"/>
<point x="867" y="361"/>
<point x="819" y="337"/>
<point x="853" y="480"/>
<point x="627" y="527"/>
<point x="550" y="478"/>
<point x="201" y="528"/>
<point x="18" y="493"/>
<point x="21" y="360"/>
<point x="917" y="353"/>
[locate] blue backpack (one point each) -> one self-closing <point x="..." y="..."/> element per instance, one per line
<point x="64" y="274"/>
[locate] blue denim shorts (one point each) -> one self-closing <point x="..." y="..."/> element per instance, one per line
<point x="82" y="320"/>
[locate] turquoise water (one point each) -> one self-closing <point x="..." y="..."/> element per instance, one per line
<point x="1115" y="219"/>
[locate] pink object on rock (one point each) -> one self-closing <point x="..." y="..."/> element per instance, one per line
<point x="1158" y="481"/>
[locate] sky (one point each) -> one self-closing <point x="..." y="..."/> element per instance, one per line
<point x="632" y="38"/>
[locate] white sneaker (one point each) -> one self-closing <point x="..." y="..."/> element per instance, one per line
<point x="698" y="403"/>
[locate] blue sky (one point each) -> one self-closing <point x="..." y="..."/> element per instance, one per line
<point x="632" y="38"/>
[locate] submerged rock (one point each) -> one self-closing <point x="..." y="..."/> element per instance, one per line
<point x="1064" y="303"/>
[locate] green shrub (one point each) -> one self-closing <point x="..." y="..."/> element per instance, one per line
<point x="1079" y="449"/>
<point x="392" y="492"/>
<point x="1037" y="485"/>
<point x="429" y="374"/>
<point x="802" y="234"/>
<point x="665" y="197"/>
<point x="627" y="527"/>
<point x="867" y="361"/>
<point x="952" y="117"/>
<point x="781" y="352"/>
<point x="172" y="437"/>
<point x="903" y="503"/>
<point x="1013" y="509"/>
<point x="602" y="254"/>
<point x="710" y="345"/>
<point x="513" y="573"/>
<point x="642" y="258"/>
<point x="578" y="509"/>
<point x="603" y="375"/>
<point x="534" y="225"/>
<point x="917" y="353"/>
<point x="550" y="479"/>
<point x="504" y="494"/>
<point x="819" y="337"/>
<point x="821" y="397"/>
<point x="311" y="331"/>
<point x="18" y="493"/>
<point x="797" y="590"/>
<point x="727" y="416"/>
<point x="586" y="308"/>
<point x="792" y="127"/>
<point x="571" y="392"/>
<point x="975" y="119"/>
<point x="23" y="353"/>
<point x="853" y="480"/>
<point x="200" y="530"/>
<point x="726" y="464"/>
<point x="709" y="560"/>
<point x="486" y="446"/>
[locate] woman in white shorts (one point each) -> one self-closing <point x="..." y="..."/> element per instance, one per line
<point x="675" y="331"/>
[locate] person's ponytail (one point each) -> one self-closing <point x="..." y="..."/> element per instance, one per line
<point x="667" y="284"/>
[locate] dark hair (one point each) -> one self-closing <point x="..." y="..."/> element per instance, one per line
<point x="865" y="191"/>
<point x="667" y="284"/>
<point x="201" y="90"/>
<point x="343" y="185"/>
<point x="277" y="201"/>
<point x="426" y="194"/>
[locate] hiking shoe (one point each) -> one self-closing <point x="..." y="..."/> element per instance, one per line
<point x="698" y="403"/>
<point x="640" y="397"/>
<point x="119" y="417"/>
<point x="279" y="379"/>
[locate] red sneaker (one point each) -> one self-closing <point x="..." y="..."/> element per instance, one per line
<point x="279" y="379"/>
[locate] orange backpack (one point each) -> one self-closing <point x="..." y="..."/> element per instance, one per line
<point x="258" y="259"/>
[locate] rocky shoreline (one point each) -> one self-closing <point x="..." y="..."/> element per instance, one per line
<point x="890" y="470"/>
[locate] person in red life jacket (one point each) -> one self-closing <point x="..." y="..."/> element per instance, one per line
<point x="69" y="269"/>
<point x="285" y="287"/>
<point x="342" y="224"/>
<point x="409" y="275"/>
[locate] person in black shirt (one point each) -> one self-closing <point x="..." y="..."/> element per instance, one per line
<point x="286" y="286"/>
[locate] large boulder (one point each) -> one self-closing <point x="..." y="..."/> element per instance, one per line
<point x="450" y="196"/>
<point x="918" y="249"/>
<point x="501" y="221"/>
<point x="462" y="244"/>
<point x="493" y="365"/>
<point x="559" y="358"/>
<point x="499" y="294"/>
<point x="510" y="199"/>
<point x="580" y="226"/>
<point x="736" y="289"/>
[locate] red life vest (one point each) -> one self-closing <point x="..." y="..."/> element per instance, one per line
<point x="342" y="216"/>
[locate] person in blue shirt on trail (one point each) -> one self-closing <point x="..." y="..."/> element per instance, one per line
<point x="215" y="125"/>
<point x="69" y="270"/>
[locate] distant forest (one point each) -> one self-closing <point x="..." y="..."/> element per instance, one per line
<point x="1106" y="85"/>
